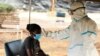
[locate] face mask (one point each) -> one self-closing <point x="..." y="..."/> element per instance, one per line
<point x="37" y="36"/>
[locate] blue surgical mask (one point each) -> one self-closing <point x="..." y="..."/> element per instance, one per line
<point x="37" y="36"/>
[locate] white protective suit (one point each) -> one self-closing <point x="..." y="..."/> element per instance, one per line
<point x="81" y="33"/>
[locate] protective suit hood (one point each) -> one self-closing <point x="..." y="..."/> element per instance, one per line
<point x="78" y="10"/>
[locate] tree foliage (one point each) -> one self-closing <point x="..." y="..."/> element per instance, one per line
<point x="6" y="8"/>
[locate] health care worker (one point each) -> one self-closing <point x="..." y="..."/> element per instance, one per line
<point x="81" y="33"/>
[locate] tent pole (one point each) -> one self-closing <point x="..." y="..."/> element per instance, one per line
<point x="30" y="4"/>
<point x="52" y="8"/>
<point x="52" y="5"/>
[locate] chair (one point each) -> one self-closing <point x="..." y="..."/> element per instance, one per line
<point x="13" y="48"/>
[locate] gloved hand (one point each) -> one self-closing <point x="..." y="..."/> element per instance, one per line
<point x="46" y="33"/>
<point x="43" y="32"/>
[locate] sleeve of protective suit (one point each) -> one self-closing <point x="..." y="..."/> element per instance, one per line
<point x="60" y="34"/>
<point x="89" y="36"/>
<point x="90" y="31"/>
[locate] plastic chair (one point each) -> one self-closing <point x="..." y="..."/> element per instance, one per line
<point x="13" y="48"/>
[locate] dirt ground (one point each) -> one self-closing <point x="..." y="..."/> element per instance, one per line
<point x="50" y="46"/>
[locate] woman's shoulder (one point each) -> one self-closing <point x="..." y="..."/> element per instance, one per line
<point x="29" y="38"/>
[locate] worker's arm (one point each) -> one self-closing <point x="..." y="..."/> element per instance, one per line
<point x="60" y="34"/>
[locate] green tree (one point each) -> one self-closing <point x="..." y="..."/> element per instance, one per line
<point x="5" y="9"/>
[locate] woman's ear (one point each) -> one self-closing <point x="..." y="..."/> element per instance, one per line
<point x="32" y="33"/>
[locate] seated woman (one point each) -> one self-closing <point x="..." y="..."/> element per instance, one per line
<point x="31" y="45"/>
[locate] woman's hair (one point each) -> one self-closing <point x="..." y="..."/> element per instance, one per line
<point x="33" y="28"/>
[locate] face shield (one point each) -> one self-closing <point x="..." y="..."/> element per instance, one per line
<point x="71" y="11"/>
